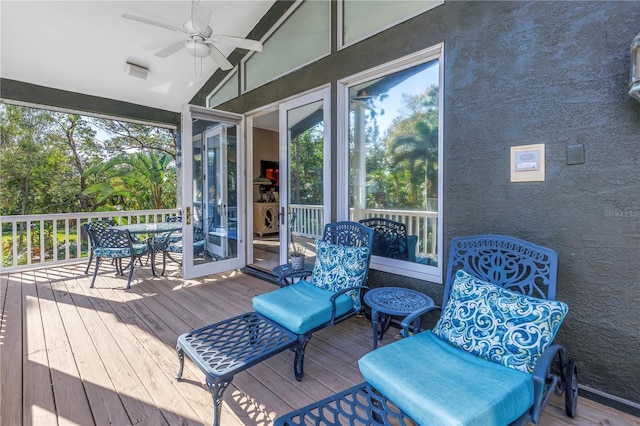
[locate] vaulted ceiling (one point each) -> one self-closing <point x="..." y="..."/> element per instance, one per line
<point x="83" y="46"/>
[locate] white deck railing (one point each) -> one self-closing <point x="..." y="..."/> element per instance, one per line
<point x="309" y="222"/>
<point x="422" y="224"/>
<point x="28" y="241"/>
<point x="51" y="239"/>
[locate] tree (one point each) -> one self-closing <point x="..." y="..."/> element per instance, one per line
<point x="125" y="136"/>
<point x="412" y="150"/>
<point x="137" y="181"/>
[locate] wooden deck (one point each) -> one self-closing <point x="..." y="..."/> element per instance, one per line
<point x="74" y="355"/>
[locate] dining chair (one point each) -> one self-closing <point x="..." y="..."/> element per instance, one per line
<point x="96" y="224"/>
<point x="116" y="244"/>
<point x="173" y="246"/>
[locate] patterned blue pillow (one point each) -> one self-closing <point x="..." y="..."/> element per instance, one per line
<point x="338" y="267"/>
<point x="497" y="324"/>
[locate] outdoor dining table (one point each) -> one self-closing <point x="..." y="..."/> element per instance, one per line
<point x="152" y="229"/>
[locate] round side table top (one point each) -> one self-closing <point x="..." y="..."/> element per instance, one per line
<point x="396" y="300"/>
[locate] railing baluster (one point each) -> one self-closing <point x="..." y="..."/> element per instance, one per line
<point x="42" y="242"/>
<point x="55" y="240"/>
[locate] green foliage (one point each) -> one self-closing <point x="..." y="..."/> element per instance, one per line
<point x="46" y="156"/>
<point x="137" y="181"/>
<point x="402" y="165"/>
<point x="306" y="166"/>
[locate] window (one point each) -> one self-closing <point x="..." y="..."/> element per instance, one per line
<point x="225" y="91"/>
<point x="392" y="129"/>
<point x="380" y="15"/>
<point x="302" y="38"/>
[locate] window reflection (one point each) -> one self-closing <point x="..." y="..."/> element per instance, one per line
<point x="393" y="163"/>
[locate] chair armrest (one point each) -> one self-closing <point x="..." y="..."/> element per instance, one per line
<point x="337" y="294"/>
<point x="409" y="319"/>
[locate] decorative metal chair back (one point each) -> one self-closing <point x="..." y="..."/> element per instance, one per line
<point x="107" y="239"/>
<point x="509" y="262"/>
<point x="116" y="244"/>
<point x="348" y="233"/>
<point x="90" y="226"/>
<point x="389" y="238"/>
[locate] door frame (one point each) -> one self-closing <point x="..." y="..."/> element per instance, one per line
<point x="189" y="270"/>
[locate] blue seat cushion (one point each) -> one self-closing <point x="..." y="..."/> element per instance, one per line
<point x="438" y="384"/>
<point x="113" y="252"/>
<point x="300" y="307"/>
<point x="176" y="246"/>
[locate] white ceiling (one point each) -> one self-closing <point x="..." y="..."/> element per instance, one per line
<point x="82" y="46"/>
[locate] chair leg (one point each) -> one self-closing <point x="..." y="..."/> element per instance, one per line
<point x="90" y="259"/>
<point x="131" y="266"/>
<point x="95" y="272"/>
<point x="298" y="363"/>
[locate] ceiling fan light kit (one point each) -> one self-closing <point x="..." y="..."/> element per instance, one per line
<point x="200" y="40"/>
<point x="136" y="70"/>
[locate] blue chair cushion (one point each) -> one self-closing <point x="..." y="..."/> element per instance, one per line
<point x="176" y="246"/>
<point x="339" y="267"/>
<point x="300" y="307"/>
<point x="138" y="249"/>
<point x="498" y="324"/>
<point x="438" y="384"/>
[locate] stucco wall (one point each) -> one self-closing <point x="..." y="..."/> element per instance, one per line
<point x="554" y="73"/>
<point x="521" y="73"/>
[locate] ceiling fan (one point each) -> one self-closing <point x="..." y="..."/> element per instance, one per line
<point x="200" y="40"/>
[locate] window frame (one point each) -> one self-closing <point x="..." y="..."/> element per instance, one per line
<point x="395" y="266"/>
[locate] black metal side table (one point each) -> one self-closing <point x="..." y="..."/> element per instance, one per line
<point x="286" y="274"/>
<point x="388" y="301"/>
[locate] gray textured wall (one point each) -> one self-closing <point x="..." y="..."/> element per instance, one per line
<point x="522" y="73"/>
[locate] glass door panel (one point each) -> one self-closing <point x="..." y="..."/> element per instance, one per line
<point x="304" y="173"/>
<point x="211" y="239"/>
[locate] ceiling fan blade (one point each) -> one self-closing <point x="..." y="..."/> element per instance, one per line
<point x="160" y="44"/>
<point x="218" y="57"/>
<point x="242" y="43"/>
<point x="170" y="49"/>
<point x="152" y="22"/>
<point x="200" y="16"/>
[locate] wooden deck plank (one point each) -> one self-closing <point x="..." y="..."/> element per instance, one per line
<point x="38" y="406"/>
<point x="150" y="325"/>
<point x="106" y="406"/>
<point x="105" y="330"/>
<point x="123" y="343"/>
<point x="68" y="391"/>
<point x="11" y="367"/>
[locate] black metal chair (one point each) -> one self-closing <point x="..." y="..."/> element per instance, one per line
<point x="173" y="245"/>
<point x="116" y="244"/>
<point x="96" y="224"/>
<point x="389" y="238"/>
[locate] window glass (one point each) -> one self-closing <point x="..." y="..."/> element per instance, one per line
<point x="303" y="38"/>
<point x="393" y="170"/>
<point x="380" y="15"/>
<point x="225" y="91"/>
